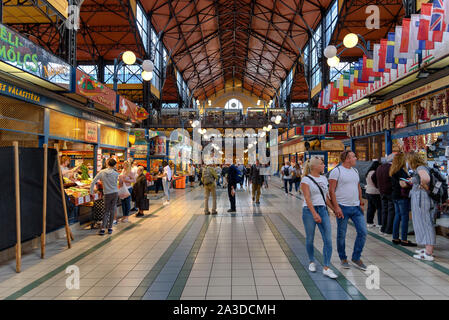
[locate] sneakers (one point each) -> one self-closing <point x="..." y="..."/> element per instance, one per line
<point x="230" y="210"/>
<point x="214" y="212"/>
<point x="257" y="202"/>
<point x="370" y="225"/>
<point x="359" y="264"/>
<point x="345" y="264"/>
<point x="109" y="231"/>
<point x="139" y="215"/>
<point x="423" y="256"/>
<point x="312" y="267"/>
<point x="115" y="222"/>
<point x="329" y="273"/>
<point x="419" y="251"/>
<point x="101" y="232"/>
<point x="207" y="213"/>
<point x="166" y="202"/>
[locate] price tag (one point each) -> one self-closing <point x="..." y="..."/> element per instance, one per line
<point x="87" y="198"/>
<point x="80" y="200"/>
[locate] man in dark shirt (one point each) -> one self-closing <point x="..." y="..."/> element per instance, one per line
<point x="232" y="186"/>
<point x="384" y="185"/>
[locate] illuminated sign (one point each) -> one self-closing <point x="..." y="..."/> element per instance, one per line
<point x="23" y="54"/>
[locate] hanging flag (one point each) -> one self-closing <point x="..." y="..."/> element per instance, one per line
<point x="437" y="21"/>
<point x="390" y="62"/>
<point x="400" y="58"/>
<point x="424" y="27"/>
<point x="413" y="43"/>
<point x="376" y="49"/>
<point x="405" y="38"/>
<point x="383" y="55"/>
<point x="445" y="6"/>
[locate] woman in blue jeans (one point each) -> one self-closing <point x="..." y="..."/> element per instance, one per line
<point x="401" y="200"/>
<point x="315" y="187"/>
<point x="127" y="178"/>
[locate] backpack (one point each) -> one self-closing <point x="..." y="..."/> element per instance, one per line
<point x="208" y="178"/>
<point x="298" y="172"/>
<point x="239" y="175"/>
<point x="438" y="187"/>
<point x="286" y="171"/>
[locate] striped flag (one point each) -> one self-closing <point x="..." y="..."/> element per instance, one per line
<point x="382" y="55"/>
<point x="391" y="63"/>
<point x="424" y="27"/>
<point x="405" y="38"/>
<point x="400" y="58"/>
<point x="413" y="43"/>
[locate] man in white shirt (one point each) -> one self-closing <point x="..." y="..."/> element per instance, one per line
<point x="346" y="197"/>
<point x="287" y="176"/>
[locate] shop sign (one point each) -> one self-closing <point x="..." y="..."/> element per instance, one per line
<point x="23" y="54"/>
<point x="128" y="108"/>
<point x="91" y="132"/>
<point x="95" y="90"/>
<point x="314" y="130"/>
<point x="16" y="92"/>
<point x="435" y="85"/>
<point x="371" y="110"/>
<point x="337" y="127"/>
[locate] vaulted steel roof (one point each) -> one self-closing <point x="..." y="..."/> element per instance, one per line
<point x="254" y="42"/>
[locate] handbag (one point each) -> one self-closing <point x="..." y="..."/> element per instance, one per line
<point x="123" y="192"/>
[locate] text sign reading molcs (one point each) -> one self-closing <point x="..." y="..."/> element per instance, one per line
<point x="23" y="54"/>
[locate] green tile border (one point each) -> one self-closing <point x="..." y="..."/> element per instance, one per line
<point x="180" y="283"/>
<point x="350" y="289"/>
<point x="433" y="264"/>
<point x="151" y="276"/>
<point x="63" y="267"/>
<point x="310" y="286"/>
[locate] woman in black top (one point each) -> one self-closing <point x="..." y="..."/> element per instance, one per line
<point x="401" y="200"/>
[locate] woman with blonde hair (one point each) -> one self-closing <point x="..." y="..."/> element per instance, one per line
<point x="314" y="187"/>
<point x="423" y="207"/>
<point x="126" y="178"/>
<point x="401" y="200"/>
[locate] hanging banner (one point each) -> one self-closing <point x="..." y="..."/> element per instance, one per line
<point x="21" y="53"/>
<point x="90" y="88"/>
<point x="91" y="132"/>
<point x="315" y="130"/>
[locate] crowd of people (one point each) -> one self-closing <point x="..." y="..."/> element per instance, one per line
<point x="400" y="184"/>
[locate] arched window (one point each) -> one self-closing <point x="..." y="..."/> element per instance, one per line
<point x="233" y="104"/>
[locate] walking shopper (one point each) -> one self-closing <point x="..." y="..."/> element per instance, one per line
<point x="232" y="186"/>
<point x="384" y="185"/>
<point x="401" y="190"/>
<point x="423" y="207"/>
<point x="166" y="179"/>
<point x="314" y="213"/>
<point x="346" y="196"/>
<point x="158" y="183"/>
<point x="287" y="176"/>
<point x="126" y="179"/>
<point x="209" y="178"/>
<point x="256" y="180"/>
<point x="140" y="193"/>
<point x="297" y="176"/>
<point x="108" y="178"/>
<point x="192" y="175"/>
<point x="373" y="197"/>
<point x="134" y="168"/>
<point x="218" y="171"/>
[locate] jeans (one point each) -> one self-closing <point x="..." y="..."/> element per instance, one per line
<point x="325" y="229"/>
<point x="374" y="204"/>
<point x="158" y="184"/>
<point x="110" y="204"/>
<point x="387" y="213"/>
<point x="232" y="197"/>
<point x="297" y="184"/>
<point x="357" y="216"/>
<point x="290" y="181"/>
<point x="126" y="204"/>
<point x="166" y="186"/>
<point x="402" y="208"/>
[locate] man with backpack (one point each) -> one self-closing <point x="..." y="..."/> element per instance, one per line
<point x="256" y="180"/>
<point x="287" y="176"/>
<point x="208" y="178"/>
<point x="346" y="196"/>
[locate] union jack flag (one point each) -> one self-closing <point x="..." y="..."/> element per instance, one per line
<point x="437" y="24"/>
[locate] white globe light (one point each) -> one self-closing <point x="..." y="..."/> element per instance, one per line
<point x="264" y="128"/>
<point x="147" y="65"/>
<point x="129" y="57"/>
<point x="350" y="40"/>
<point x="333" y="62"/>
<point x="330" y="51"/>
<point x="278" y="118"/>
<point x="147" y="76"/>
<point x="277" y="121"/>
<point x="195" y="123"/>
<point x="273" y="119"/>
<point x="269" y="127"/>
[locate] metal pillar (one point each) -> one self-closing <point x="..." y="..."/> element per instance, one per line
<point x="388" y="142"/>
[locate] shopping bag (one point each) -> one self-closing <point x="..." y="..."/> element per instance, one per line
<point x="123" y="192"/>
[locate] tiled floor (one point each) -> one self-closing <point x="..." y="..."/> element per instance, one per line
<point x="258" y="253"/>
